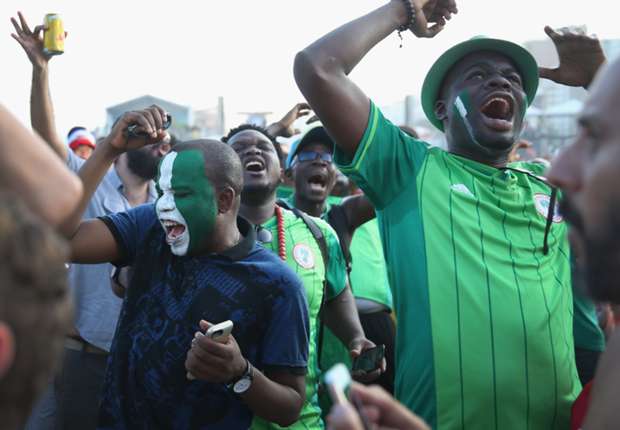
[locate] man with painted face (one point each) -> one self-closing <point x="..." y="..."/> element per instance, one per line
<point x="195" y="264"/>
<point x="291" y="238"/>
<point x="310" y="166"/>
<point x="72" y="401"/>
<point x="479" y="264"/>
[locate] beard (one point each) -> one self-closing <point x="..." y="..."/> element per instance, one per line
<point x="601" y="271"/>
<point x="143" y="163"/>
<point x="257" y="194"/>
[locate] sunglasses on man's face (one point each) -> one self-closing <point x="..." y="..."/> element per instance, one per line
<point x="314" y="155"/>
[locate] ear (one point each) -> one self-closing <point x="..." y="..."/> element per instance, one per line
<point x="7" y="348"/>
<point x="225" y="200"/>
<point x="440" y="110"/>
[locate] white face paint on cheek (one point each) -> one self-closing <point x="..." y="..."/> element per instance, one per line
<point x="167" y="211"/>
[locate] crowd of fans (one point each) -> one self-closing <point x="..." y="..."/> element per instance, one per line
<point x="482" y="285"/>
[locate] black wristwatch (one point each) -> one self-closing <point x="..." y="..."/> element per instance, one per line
<point x="244" y="382"/>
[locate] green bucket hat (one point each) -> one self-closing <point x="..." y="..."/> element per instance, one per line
<point x="523" y="60"/>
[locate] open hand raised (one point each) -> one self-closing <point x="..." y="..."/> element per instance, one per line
<point x="30" y="40"/>
<point x="436" y="12"/>
<point x="580" y="56"/>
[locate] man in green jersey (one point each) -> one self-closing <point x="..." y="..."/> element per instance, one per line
<point x="289" y="236"/>
<point x="310" y="166"/>
<point x="478" y="258"/>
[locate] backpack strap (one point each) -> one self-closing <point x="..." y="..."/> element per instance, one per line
<point x="319" y="237"/>
<point x="337" y="218"/>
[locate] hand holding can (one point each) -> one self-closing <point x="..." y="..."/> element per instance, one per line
<point x="54" y="35"/>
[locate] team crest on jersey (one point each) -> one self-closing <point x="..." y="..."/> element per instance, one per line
<point x="303" y="255"/>
<point x="542" y="202"/>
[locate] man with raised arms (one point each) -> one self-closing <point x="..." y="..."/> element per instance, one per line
<point x="478" y="259"/>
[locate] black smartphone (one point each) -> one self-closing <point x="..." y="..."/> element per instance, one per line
<point x="369" y="360"/>
<point x="131" y="130"/>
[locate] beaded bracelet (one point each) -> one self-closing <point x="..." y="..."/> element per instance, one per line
<point x="410" y="20"/>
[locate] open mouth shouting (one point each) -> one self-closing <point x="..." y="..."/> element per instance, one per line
<point x="317" y="183"/>
<point x="254" y="165"/>
<point x="175" y="231"/>
<point x="498" y="112"/>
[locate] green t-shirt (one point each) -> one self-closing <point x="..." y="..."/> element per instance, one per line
<point x="484" y="318"/>
<point x="368" y="272"/>
<point x="303" y="255"/>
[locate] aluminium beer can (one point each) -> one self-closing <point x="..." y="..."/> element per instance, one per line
<point x="54" y="35"/>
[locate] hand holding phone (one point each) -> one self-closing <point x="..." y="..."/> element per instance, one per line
<point x="369" y="360"/>
<point x="385" y="410"/>
<point x="219" y="333"/>
<point x="338" y="379"/>
<point x="132" y="129"/>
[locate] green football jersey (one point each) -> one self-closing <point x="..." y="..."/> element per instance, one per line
<point x="369" y="275"/>
<point x="484" y="317"/>
<point x="303" y="255"/>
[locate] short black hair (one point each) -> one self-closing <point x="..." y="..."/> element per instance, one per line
<point x="261" y="130"/>
<point x="223" y="166"/>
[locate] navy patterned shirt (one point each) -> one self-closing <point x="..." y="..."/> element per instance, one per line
<point x="145" y="385"/>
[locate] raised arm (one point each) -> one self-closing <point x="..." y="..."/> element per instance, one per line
<point x="91" y="240"/>
<point x="359" y="211"/>
<point x="322" y="69"/>
<point x="284" y="127"/>
<point x="30" y="169"/>
<point x="41" y="108"/>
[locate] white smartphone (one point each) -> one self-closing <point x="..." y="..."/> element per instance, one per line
<point x="338" y="380"/>
<point x="219" y="333"/>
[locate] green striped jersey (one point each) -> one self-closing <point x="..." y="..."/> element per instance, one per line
<point x="303" y="255"/>
<point x="484" y="317"/>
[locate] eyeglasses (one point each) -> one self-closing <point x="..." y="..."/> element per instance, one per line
<point x="313" y="155"/>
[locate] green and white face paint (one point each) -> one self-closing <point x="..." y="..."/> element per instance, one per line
<point x="462" y="107"/>
<point x="187" y="206"/>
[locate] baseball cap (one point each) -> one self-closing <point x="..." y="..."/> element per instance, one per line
<point x="317" y="133"/>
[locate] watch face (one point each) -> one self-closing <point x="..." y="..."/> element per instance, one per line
<point x="242" y="385"/>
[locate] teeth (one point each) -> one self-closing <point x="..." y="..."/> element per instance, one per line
<point x="168" y="223"/>
<point x="254" y="164"/>
<point x="496" y="99"/>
